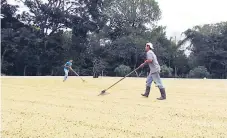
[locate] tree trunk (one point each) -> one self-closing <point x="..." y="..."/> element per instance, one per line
<point x="225" y="72"/>
<point x="25" y="67"/>
<point x="38" y="72"/>
<point x="52" y="72"/>
<point x="175" y="71"/>
<point x="169" y="63"/>
<point x="135" y="66"/>
<point x="140" y="73"/>
<point x="137" y="74"/>
<point x="3" y="54"/>
<point x="93" y="69"/>
<point x="45" y="45"/>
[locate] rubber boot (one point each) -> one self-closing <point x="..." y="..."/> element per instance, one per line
<point x="147" y="92"/>
<point x="65" y="78"/>
<point x="163" y="94"/>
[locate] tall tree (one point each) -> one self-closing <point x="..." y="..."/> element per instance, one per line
<point x="208" y="46"/>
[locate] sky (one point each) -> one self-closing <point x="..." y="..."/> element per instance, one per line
<point x="179" y="15"/>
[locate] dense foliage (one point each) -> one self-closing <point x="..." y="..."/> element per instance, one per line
<point x="104" y="37"/>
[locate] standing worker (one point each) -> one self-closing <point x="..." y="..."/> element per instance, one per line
<point x="154" y="72"/>
<point x="67" y="66"/>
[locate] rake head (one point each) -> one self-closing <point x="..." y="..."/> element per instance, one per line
<point x="103" y="92"/>
<point x="83" y="80"/>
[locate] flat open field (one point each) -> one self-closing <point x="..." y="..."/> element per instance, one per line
<point x="46" y="107"/>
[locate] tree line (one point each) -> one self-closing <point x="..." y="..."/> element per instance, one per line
<point x="104" y="37"/>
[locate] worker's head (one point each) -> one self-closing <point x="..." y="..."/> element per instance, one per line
<point x="149" y="46"/>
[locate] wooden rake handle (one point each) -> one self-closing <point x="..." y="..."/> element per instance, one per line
<point x="122" y="78"/>
<point x="78" y="75"/>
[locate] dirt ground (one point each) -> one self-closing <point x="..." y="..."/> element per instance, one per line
<point x="48" y="108"/>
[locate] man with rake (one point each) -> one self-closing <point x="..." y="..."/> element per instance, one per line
<point x="154" y="72"/>
<point x="67" y="66"/>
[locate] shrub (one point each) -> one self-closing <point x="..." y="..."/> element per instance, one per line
<point x="122" y="70"/>
<point x="166" y="71"/>
<point x="199" y="72"/>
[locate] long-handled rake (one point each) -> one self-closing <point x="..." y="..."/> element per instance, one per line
<point x="79" y="76"/>
<point x="103" y="91"/>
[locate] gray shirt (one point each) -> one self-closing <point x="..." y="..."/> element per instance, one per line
<point x="154" y="65"/>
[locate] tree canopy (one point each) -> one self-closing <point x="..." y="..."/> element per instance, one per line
<point x="105" y="37"/>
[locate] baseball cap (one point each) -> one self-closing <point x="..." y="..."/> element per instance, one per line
<point x="150" y="45"/>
